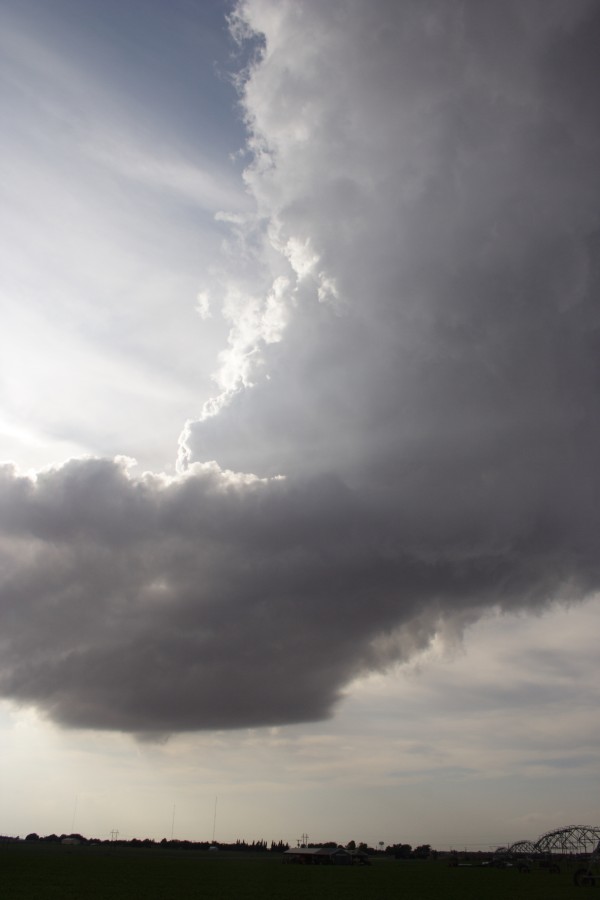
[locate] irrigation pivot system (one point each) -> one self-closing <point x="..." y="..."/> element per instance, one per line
<point x="574" y="843"/>
<point x="574" y="839"/>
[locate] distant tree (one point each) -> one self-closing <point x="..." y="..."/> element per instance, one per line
<point x="78" y="837"/>
<point x="351" y="845"/>
<point x="32" y="837"/>
<point x="279" y="847"/>
<point x="422" y="852"/>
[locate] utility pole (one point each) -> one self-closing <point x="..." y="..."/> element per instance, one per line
<point x="114" y="834"/>
<point x="74" y="814"/>
<point x="303" y="840"/>
<point x="215" y="819"/>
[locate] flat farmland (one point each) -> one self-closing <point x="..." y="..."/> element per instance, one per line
<point x="54" y="872"/>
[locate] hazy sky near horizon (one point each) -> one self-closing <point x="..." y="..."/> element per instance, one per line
<point x="299" y="409"/>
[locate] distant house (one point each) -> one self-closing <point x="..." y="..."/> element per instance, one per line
<point x="319" y="856"/>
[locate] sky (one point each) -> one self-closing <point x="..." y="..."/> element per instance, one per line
<point x="298" y="419"/>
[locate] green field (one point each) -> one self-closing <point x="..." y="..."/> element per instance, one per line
<point x="55" y="872"/>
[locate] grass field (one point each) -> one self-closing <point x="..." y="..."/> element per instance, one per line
<point x="54" y="872"/>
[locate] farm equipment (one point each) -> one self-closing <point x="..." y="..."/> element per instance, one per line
<point x="589" y="876"/>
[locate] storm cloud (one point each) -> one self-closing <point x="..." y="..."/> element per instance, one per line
<point x="406" y="433"/>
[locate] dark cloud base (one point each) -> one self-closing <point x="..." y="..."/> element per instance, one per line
<point x="149" y="606"/>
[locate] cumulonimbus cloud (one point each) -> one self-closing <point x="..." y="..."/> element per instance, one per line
<point x="411" y="380"/>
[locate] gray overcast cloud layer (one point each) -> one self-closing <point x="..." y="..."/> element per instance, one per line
<point x="414" y="346"/>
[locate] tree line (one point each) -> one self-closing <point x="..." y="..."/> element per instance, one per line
<point x="398" y="851"/>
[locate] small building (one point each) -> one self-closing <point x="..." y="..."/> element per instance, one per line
<point x="318" y="856"/>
